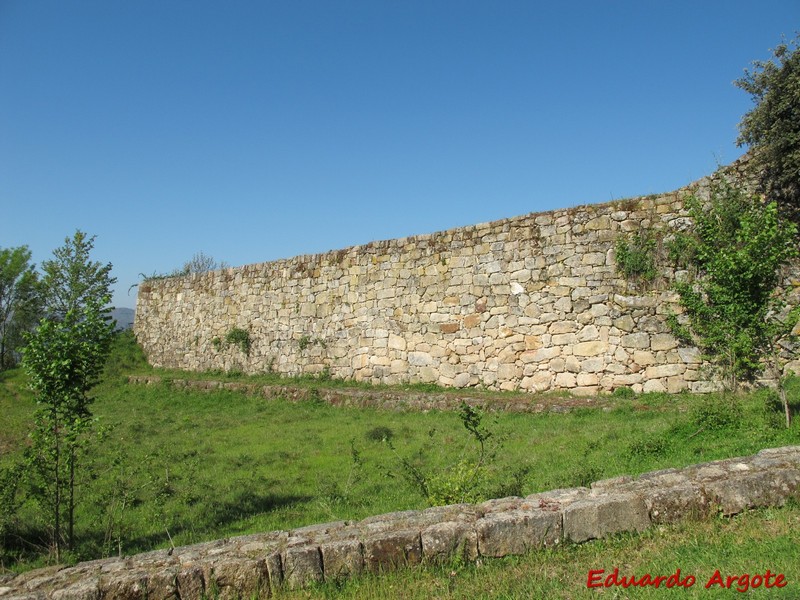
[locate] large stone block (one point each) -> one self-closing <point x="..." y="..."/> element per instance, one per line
<point x="443" y="541"/>
<point x="738" y="492"/>
<point x="599" y="516"/>
<point x="301" y="565"/>
<point x="391" y="549"/>
<point x="517" y="531"/>
<point x="342" y="559"/>
<point x="594" y="348"/>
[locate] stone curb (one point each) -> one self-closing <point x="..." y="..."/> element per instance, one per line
<point x="386" y="399"/>
<point x="256" y="565"/>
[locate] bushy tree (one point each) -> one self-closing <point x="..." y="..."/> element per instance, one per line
<point x="71" y="278"/>
<point x="20" y="302"/>
<point x="734" y="307"/>
<point x="772" y="127"/>
<point x="200" y="263"/>
<point x="64" y="357"/>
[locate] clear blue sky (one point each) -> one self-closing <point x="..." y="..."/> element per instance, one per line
<point x="260" y="130"/>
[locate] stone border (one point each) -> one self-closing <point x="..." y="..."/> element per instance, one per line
<point x="255" y="565"/>
<point x="385" y="399"/>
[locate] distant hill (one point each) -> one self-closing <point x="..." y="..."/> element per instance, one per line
<point x="123" y="317"/>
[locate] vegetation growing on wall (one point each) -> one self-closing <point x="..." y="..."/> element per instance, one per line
<point x="636" y="256"/>
<point x="734" y="309"/>
<point x="240" y="338"/>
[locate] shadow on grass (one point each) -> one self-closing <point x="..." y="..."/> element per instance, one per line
<point x="247" y="504"/>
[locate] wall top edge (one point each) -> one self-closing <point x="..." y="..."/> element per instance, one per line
<point x="467" y="230"/>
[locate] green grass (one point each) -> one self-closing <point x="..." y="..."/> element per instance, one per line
<point x="749" y="543"/>
<point x="184" y="466"/>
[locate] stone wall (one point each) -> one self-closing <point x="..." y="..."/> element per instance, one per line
<point x="256" y="565"/>
<point x="531" y="303"/>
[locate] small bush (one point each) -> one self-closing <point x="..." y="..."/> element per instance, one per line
<point x="239" y="337"/>
<point x="636" y="257"/>
<point x="718" y="411"/>
<point x="623" y="392"/>
<point x="379" y="434"/>
<point x="648" y="447"/>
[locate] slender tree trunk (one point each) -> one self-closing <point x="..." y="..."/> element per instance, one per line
<point x="57" y="494"/>
<point x="71" y="507"/>
<point x="785" y="401"/>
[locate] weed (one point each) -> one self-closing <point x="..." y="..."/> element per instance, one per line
<point x="239" y="337"/>
<point x="718" y="411"/>
<point x="636" y="256"/>
<point x="379" y="434"/>
<point x="648" y="447"/>
<point x="623" y="392"/>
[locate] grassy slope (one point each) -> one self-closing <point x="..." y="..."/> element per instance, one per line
<point x="194" y="466"/>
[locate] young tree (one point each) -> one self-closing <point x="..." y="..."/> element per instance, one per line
<point x="64" y="358"/>
<point x="772" y="127"/>
<point x="735" y="309"/>
<point x="71" y="279"/>
<point x="19" y="301"/>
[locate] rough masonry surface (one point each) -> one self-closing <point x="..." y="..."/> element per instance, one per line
<point x="257" y="565"/>
<point x="532" y="303"/>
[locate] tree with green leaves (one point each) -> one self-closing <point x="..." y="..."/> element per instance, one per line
<point x="772" y="127"/>
<point x="20" y="302"/>
<point x="64" y="358"/>
<point x="735" y="310"/>
<point x="71" y="278"/>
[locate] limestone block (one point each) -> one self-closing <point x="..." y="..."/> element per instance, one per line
<point x="450" y="539"/>
<point x="658" y="371"/>
<point x="546" y="354"/>
<point x="599" y="516"/>
<point x="562" y="327"/>
<point x="592" y="365"/>
<point x="564" y="339"/>
<point x="690" y="356"/>
<point x="419" y="359"/>
<point x="391" y="549"/>
<point x="663" y="341"/>
<point x="236" y="578"/>
<point x="590" y="348"/>
<point x="654" y="385"/>
<point x="588" y="333"/>
<point x="127" y="585"/>
<point x="565" y="380"/>
<point x="428" y="374"/>
<point x="342" y="559"/>
<point x="644" y="358"/>
<point x="396" y="342"/>
<point x="517" y="531"/>
<point x="677" y="384"/>
<point x="603" y="222"/>
<point x="190" y="583"/>
<point x="472" y="320"/>
<point x="675" y="503"/>
<point x="572" y="364"/>
<point x="563" y="304"/>
<point x="744" y="490"/>
<point x="461" y="380"/>
<point x="507" y="372"/>
<point x="636" y="340"/>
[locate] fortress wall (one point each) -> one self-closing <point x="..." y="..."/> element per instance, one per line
<point x="528" y="303"/>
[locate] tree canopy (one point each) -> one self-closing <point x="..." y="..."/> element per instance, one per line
<point x="20" y="302"/>
<point x="772" y="127"/>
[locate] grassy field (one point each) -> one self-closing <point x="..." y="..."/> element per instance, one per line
<point x="177" y="466"/>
